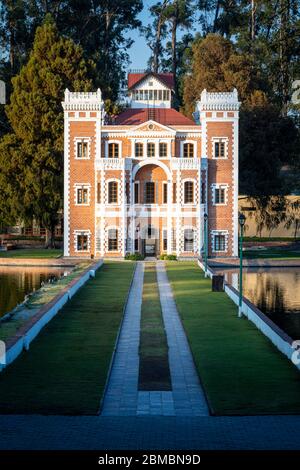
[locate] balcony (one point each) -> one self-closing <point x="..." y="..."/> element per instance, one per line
<point x="113" y="164"/>
<point x="185" y="163"/>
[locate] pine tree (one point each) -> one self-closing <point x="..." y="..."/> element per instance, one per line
<point x="34" y="150"/>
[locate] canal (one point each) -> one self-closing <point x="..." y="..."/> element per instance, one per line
<point x="275" y="291"/>
<point x="17" y="282"/>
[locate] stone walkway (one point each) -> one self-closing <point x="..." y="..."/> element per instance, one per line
<point x="121" y="394"/>
<point x="122" y="397"/>
<point x="188" y="396"/>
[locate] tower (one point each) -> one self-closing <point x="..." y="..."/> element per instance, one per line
<point x="82" y="149"/>
<point x="219" y="117"/>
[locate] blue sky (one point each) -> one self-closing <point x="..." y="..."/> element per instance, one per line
<point x="139" y="53"/>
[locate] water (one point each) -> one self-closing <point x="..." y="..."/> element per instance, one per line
<point x="16" y="282"/>
<point x="275" y="291"/>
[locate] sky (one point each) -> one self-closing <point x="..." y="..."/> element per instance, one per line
<point x="139" y="53"/>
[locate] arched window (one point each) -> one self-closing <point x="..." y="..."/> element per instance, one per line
<point x="113" y="239"/>
<point x="188" y="239"/>
<point x="113" y="150"/>
<point x="188" y="192"/>
<point x="188" y="150"/>
<point x="112" y="192"/>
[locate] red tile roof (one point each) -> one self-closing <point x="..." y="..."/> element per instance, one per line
<point x="166" y="78"/>
<point x="165" y="116"/>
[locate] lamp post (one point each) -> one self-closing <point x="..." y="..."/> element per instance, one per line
<point x="242" y="220"/>
<point x="205" y="241"/>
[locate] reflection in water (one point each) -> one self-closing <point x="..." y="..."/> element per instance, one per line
<point x="16" y="282"/>
<point x="276" y="292"/>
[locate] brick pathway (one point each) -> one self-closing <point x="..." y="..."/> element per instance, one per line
<point x="188" y="396"/>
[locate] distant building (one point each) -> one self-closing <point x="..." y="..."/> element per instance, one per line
<point x="142" y="183"/>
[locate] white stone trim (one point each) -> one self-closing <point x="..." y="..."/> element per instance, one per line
<point x="188" y="141"/>
<point x="118" y="230"/>
<point x="151" y="161"/>
<point x="224" y="140"/>
<point x="194" y="229"/>
<point x="216" y="101"/>
<point x="114" y="141"/>
<point x="215" y="186"/>
<point x="194" y="181"/>
<point x="119" y="192"/>
<point x="235" y="186"/>
<point x="84" y="140"/>
<point x="82" y="232"/>
<point x="219" y="232"/>
<point x="82" y="186"/>
<point x="66" y="185"/>
<point x="82" y="101"/>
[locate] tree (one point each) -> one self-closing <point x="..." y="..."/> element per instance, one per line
<point x="216" y="66"/>
<point x="179" y="14"/>
<point x="268" y="141"/>
<point x="155" y="33"/>
<point x="31" y="156"/>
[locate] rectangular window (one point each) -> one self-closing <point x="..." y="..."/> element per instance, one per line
<point x="189" y="240"/>
<point x="165" y="193"/>
<point x="155" y="95"/>
<point x="82" y="242"/>
<point x="219" y="195"/>
<point x="82" y="150"/>
<point x="139" y="149"/>
<point x="151" y="149"/>
<point x="160" y="95"/>
<point x="113" y="240"/>
<point x="113" y="150"/>
<point x="203" y="193"/>
<point x="188" y="192"/>
<point x="220" y="149"/>
<point x="98" y="193"/>
<point x="112" y="192"/>
<point x="82" y="196"/>
<point x="136" y="193"/>
<point x="173" y="239"/>
<point x="188" y="150"/>
<point x="174" y="193"/>
<point x="150" y="95"/>
<point x="150" y="193"/>
<point x="219" y="243"/>
<point x="163" y="149"/>
<point x="146" y="95"/>
<point x="165" y="240"/>
<point x="136" y="244"/>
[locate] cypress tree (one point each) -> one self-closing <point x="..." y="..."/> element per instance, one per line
<point x="33" y="152"/>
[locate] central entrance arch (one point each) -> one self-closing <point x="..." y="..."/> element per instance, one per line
<point x="151" y="179"/>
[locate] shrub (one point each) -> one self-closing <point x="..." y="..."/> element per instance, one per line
<point x="168" y="257"/>
<point x="134" y="257"/>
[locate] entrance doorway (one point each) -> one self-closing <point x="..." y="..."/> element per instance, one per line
<point x="150" y="241"/>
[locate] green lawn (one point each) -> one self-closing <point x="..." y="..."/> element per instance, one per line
<point x="241" y="371"/>
<point x="154" y="371"/>
<point x="65" y="370"/>
<point x="271" y="253"/>
<point x="31" y="253"/>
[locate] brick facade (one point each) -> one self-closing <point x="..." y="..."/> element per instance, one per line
<point x="145" y="187"/>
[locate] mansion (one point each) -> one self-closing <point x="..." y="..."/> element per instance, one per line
<point x="142" y="182"/>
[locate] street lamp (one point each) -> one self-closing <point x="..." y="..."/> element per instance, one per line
<point x="205" y="241"/>
<point x="242" y="220"/>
